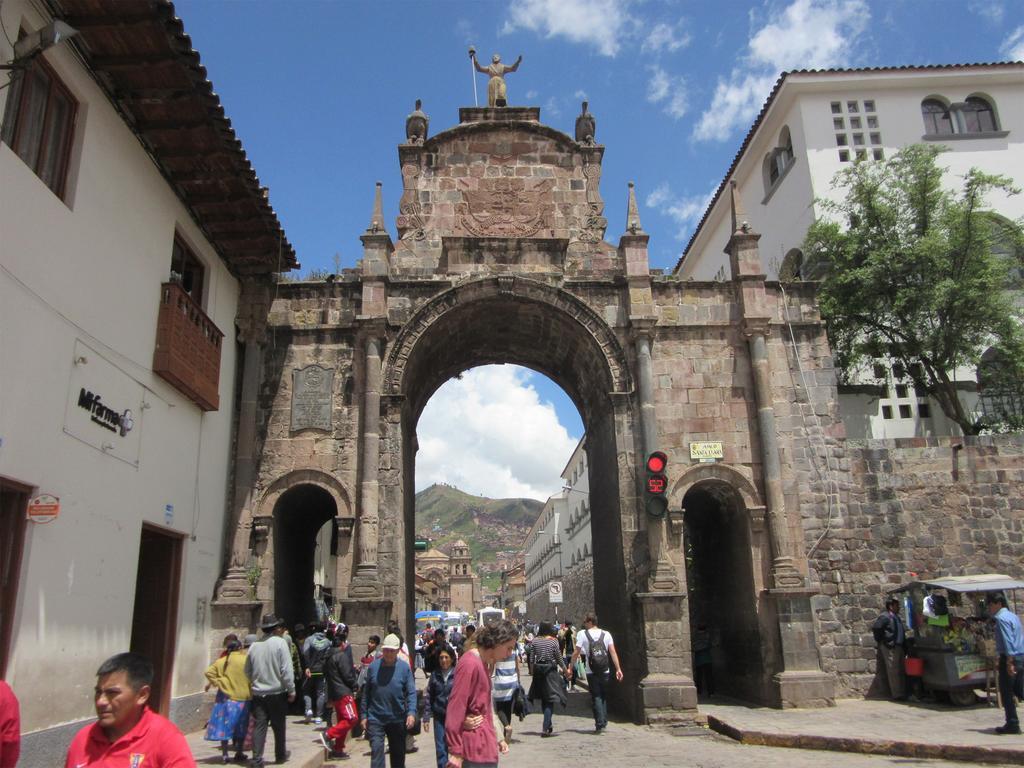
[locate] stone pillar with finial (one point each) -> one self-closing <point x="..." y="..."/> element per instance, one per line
<point x="801" y="683"/>
<point x="377" y="250"/>
<point x="667" y="687"/>
<point x="749" y="279"/>
<point x="663" y="575"/>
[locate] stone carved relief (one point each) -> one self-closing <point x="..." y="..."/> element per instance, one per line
<point x="594" y="225"/>
<point x="611" y="349"/>
<point x="410" y="222"/>
<point x="503" y="211"/>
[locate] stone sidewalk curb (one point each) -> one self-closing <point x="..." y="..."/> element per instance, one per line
<point x="954" y="752"/>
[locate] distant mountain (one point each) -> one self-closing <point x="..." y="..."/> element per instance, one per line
<point x="494" y="529"/>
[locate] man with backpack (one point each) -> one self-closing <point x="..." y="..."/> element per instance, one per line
<point x="890" y="634"/>
<point x="598" y="650"/>
<point x="315" y="652"/>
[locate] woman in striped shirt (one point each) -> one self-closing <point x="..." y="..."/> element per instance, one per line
<point x="548" y="668"/>
<point x="504" y="682"/>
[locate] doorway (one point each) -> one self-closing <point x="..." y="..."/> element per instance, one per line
<point x="720" y="582"/>
<point x="299" y="515"/>
<point x="13" y="511"/>
<point x="155" y="615"/>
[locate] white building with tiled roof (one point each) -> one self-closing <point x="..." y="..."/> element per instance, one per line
<point x="132" y="226"/>
<point x="813" y="124"/>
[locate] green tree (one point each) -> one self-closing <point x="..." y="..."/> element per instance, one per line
<point x="918" y="274"/>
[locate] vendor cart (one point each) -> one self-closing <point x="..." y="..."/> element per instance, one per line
<point x="954" y="653"/>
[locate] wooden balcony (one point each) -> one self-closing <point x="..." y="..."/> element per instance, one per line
<point x="188" y="348"/>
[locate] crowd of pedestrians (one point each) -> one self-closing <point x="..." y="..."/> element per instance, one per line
<point x="259" y="680"/>
<point x="472" y="694"/>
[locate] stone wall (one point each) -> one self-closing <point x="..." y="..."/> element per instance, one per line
<point x="578" y="592"/>
<point x="925" y="506"/>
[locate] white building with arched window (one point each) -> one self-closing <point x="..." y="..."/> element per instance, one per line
<point x="815" y="123"/>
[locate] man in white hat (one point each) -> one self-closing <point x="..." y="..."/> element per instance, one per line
<point x="269" y="668"/>
<point x="388" y="704"/>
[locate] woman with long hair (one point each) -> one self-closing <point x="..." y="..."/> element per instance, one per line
<point x="229" y="719"/>
<point x="548" y="674"/>
<point x="477" y="747"/>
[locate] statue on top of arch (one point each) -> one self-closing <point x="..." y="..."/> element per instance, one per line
<point x="497" y="95"/>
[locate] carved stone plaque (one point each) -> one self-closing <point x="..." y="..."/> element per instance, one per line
<point x="312" y="388"/>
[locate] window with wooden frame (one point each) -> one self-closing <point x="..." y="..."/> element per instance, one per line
<point x="937" y="118"/>
<point x="39" y="123"/>
<point x="187" y="270"/>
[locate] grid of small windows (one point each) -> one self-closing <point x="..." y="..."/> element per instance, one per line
<point x="901" y="394"/>
<point x="853" y="118"/>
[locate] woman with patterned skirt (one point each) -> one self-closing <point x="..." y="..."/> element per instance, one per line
<point x="229" y="719"/>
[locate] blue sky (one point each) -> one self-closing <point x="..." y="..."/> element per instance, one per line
<point x="318" y="93"/>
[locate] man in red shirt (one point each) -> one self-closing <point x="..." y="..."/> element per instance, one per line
<point x="127" y="733"/>
<point x="10" y="727"/>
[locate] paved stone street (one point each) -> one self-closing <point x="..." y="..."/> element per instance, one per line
<point x="627" y="744"/>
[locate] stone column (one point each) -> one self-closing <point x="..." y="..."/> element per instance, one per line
<point x="234" y="606"/>
<point x="369" y="490"/>
<point x="784" y="570"/>
<point x="801" y="683"/>
<point x="663" y="576"/>
<point x="645" y="376"/>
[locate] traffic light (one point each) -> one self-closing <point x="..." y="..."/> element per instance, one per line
<point x="655" y="485"/>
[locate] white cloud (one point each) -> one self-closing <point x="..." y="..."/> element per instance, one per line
<point x="657" y="87"/>
<point x="659" y="196"/>
<point x="987" y="9"/>
<point x="465" y="31"/>
<point x="665" y="37"/>
<point x="735" y="104"/>
<point x="600" y="23"/>
<point x="488" y="433"/>
<point x="580" y="94"/>
<point x="552" y="108"/>
<point x="1013" y="46"/>
<point x="669" y="91"/>
<point x="684" y="210"/>
<point x="531" y="94"/>
<point x="807" y="34"/>
<point x="811" y="34"/>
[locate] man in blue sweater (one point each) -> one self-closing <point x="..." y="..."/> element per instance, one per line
<point x="1010" y="647"/>
<point x="388" y="704"/>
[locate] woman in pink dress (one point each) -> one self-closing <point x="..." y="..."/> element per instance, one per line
<point x="471" y="699"/>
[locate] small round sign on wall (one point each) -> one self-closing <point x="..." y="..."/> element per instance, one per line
<point x="43" y="508"/>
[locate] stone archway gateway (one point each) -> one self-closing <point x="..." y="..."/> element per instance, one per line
<point x="501" y="258"/>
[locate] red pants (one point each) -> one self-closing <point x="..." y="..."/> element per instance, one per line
<point x="347" y="715"/>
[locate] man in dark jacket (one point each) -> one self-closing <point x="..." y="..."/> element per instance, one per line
<point x="315" y="651"/>
<point x="890" y="635"/>
<point x="341" y="683"/>
<point x="430" y="650"/>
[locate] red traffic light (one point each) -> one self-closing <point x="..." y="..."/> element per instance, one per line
<point x="657" y="462"/>
<point x="656" y="484"/>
